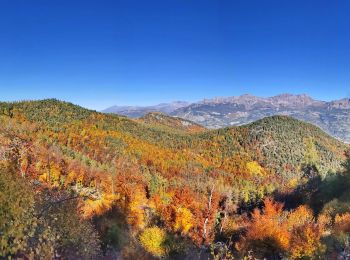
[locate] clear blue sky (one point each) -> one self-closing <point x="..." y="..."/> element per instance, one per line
<point x="100" y="53"/>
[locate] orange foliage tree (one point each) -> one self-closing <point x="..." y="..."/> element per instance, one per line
<point x="273" y="231"/>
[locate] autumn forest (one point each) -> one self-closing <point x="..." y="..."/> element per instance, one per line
<point x="79" y="184"/>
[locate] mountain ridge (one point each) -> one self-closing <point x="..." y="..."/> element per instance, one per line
<point x="139" y="111"/>
<point x="331" y="116"/>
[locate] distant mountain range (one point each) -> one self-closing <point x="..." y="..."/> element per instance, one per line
<point x="333" y="116"/>
<point x="139" y="111"/>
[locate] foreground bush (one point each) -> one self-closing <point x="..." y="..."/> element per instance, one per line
<point x="41" y="224"/>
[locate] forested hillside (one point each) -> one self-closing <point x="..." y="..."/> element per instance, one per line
<point x="88" y="184"/>
<point x="175" y="123"/>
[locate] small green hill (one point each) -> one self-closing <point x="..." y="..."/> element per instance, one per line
<point x="288" y="142"/>
<point x="50" y="111"/>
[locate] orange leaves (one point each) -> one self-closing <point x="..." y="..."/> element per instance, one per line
<point x="191" y="215"/>
<point x="98" y="206"/>
<point x="299" y="217"/>
<point x="306" y="240"/>
<point x="271" y="210"/>
<point x="176" y="214"/>
<point x="136" y="209"/>
<point x="267" y="231"/>
<point x="342" y="223"/>
<point x="305" y="233"/>
<point x="274" y="231"/>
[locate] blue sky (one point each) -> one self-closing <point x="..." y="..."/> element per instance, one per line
<point x="100" y="53"/>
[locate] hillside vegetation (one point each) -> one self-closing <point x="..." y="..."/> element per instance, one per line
<point x="161" y="186"/>
<point x="175" y="123"/>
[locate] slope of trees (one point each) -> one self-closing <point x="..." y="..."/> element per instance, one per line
<point x="38" y="223"/>
<point x="124" y="180"/>
<point x="174" y="123"/>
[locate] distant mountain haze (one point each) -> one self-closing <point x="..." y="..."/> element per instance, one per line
<point x="332" y="116"/>
<point x="139" y="111"/>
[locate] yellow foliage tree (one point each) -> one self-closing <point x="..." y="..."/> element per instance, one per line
<point x="255" y="169"/>
<point x="183" y="220"/>
<point x="299" y="217"/>
<point x="153" y="241"/>
<point x="311" y="156"/>
<point x="136" y="216"/>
